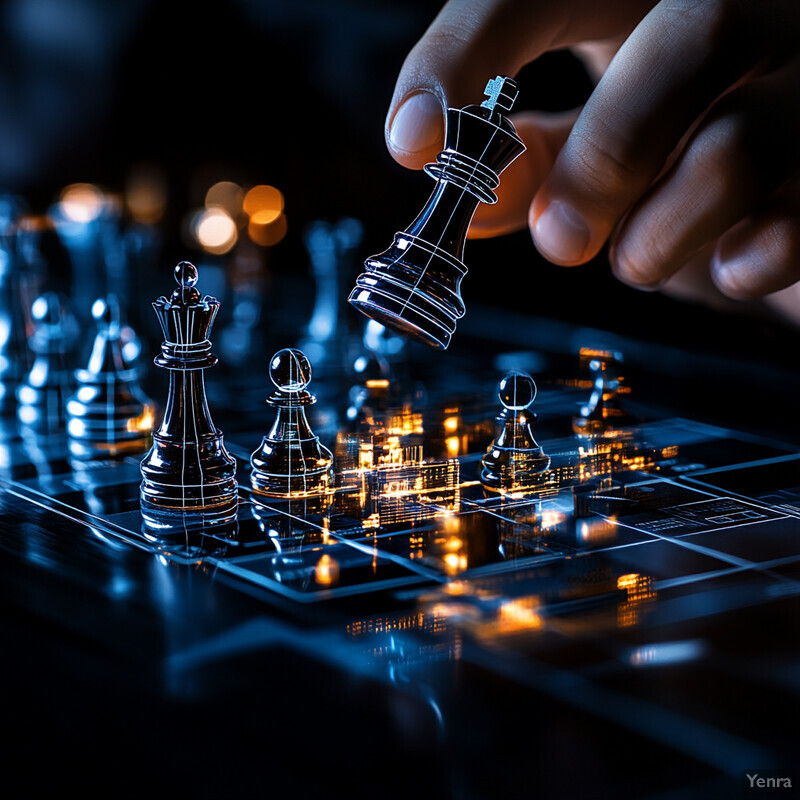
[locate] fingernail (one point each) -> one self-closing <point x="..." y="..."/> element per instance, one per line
<point x="418" y="123"/>
<point x="561" y="233"/>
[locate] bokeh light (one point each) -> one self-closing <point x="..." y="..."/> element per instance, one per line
<point x="267" y="234"/>
<point x="215" y="230"/>
<point x="263" y="204"/>
<point x="227" y="195"/>
<point x="81" y="202"/>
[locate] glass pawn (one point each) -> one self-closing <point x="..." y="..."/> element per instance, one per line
<point x="291" y="461"/>
<point x="41" y="395"/>
<point x="515" y="462"/>
<point x="108" y="415"/>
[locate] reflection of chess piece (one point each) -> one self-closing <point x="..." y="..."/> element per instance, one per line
<point x="189" y="479"/>
<point x="301" y="521"/>
<point x="514" y="460"/>
<point x="370" y="393"/>
<point x="41" y="395"/>
<point x="108" y="415"/>
<point x="291" y="461"/>
<point x="603" y="415"/>
<point x="414" y="286"/>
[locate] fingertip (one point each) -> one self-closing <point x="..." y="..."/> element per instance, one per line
<point x="734" y="277"/>
<point x="415" y="132"/>
<point x="757" y="257"/>
<point x="632" y="271"/>
<point x="560" y="233"/>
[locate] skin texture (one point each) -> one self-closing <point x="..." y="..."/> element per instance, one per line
<point x="684" y="159"/>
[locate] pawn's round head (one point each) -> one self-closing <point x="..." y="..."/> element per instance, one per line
<point x="517" y="390"/>
<point x="47" y="309"/>
<point x="105" y="311"/>
<point x="290" y="370"/>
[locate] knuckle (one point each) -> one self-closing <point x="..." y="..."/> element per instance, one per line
<point x="641" y="269"/>
<point x="600" y="172"/>
<point x="724" y="156"/>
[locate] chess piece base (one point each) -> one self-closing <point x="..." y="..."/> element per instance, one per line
<point x="413" y="287"/>
<point x="507" y="470"/>
<point x="191" y="482"/>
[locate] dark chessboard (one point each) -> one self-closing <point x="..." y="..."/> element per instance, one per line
<point x="635" y="638"/>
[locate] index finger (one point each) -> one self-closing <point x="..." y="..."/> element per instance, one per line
<point x="472" y="40"/>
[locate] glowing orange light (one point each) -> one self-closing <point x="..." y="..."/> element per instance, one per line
<point x="143" y="423"/>
<point x="377" y="383"/>
<point x="215" y="230"/>
<point x="327" y="570"/>
<point x="520" y="614"/>
<point x="263" y="204"/>
<point x="227" y="195"/>
<point x="451" y="424"/>
<point x="453" y="445"/>
<point x="451" y="524"/>
<point x="454" y="563"/>
<point x="628" y="581"/>
<point x="81" y="202"/>
<point x="551" y="518"/>
<point x="267" y="234"/>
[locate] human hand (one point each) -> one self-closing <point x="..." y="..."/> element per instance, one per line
<point x="685" y="157"/>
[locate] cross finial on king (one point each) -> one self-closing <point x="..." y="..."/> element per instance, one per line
<point x="501" y="94"/>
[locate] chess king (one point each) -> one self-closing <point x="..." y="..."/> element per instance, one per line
<point x="414" y="286"/>
<point x="188" y="478"/>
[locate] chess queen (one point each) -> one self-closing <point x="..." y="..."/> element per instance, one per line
<point x="188" y="477"/>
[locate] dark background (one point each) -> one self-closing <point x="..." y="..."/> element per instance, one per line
<point x="295" y="95"/>
<point x="292" y="94"/>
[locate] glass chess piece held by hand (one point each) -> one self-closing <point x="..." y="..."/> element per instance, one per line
<point x="414" y="286"/>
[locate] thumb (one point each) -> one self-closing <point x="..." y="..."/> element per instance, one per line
<point x="471" y="41"/>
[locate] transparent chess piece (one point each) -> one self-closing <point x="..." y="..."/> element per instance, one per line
<point x="291" y="461"/>
<point x="188" y="477"/>
<point x="42" y="393"/>
<point x="603" y="416"/>
<point x="108" y="415"/>
<point x="414" y="286"/>
<point x="330" y="335"/>
<point x="15" y="355"/>
<point x="515" y="462"/>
